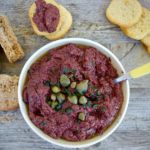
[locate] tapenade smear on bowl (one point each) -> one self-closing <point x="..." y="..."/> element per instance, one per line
<point x="70" y="93"/>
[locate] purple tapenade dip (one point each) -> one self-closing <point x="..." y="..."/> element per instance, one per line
<point x="70" y="93"/>
<point x="46" y="16"/>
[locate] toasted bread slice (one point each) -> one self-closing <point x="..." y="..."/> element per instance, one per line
<point x="146" y="42"/>
<point x="32" y="11"/>
<point x="140" y="29"/>
<point x="8" y="92"/>
<point x="63" y="27"/>
<point x="8" y="41"/>
<point x="124" y="13"/>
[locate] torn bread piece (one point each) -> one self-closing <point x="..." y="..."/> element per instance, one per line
<point x="8" y="41"/>
<point x="146" y="42"/>
<point x="141" y="28"/>
<point x="8" y="92"/>
<point x="124" y="13"/>
<point x="65" y="21"/>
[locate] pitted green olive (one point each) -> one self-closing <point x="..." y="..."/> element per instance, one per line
<point x="58" y="107"/>
<point x="73" y="99"/>
<point x="56" y="89"/>
<point x="49" y="102"/>
<point x="54" y="104"/>
<point x="82" y="87"/>
<point x="83" y="100"/>
<point x="81" y="116"/>
<point x="64" y="80"/>
<point x="60" y="97"/>
<point x="53" y="97"/>
<point x="73" y="85"/>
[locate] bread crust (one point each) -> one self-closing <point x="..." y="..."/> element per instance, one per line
<point x="8" y="92"/>
<point x="9" y="105"/>
<point x="63" y="27"/>
<point x="148" y="49"/>
<point x="146" y="42"/>
<point x="9" y="41"/>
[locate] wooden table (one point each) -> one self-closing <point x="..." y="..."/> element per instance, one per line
<point x="89" y="22"/>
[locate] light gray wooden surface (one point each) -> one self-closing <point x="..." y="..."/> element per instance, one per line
<point x="89" y="22"/>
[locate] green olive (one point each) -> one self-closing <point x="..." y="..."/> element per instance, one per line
<point x="73" y="99"/>
<point x="64" y="80"/>
<point x="82" y="87"/>
<point x="60" y="97"/>
<point x="70" y="76"/>
<point x="73" y="85"/>
<point x="83" y="100"/>
<point x="68" y="110"/>
<point x="58" y="107"/>
<point x="54" y="104"/>
<point x="81" y="116"/>
<point x="56" y="89"/>
<point x="49" y="102"/>
<point x="53" y="97"/>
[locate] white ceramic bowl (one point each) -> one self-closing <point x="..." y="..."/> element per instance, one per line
<point x="116" y="63"/>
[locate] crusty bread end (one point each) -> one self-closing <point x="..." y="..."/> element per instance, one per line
<point x="8" y="41"/>
<point x="8" y="92"/>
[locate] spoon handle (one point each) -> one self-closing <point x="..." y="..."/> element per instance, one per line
<point x="135" y="73"/>
<point x="140" y="71"/>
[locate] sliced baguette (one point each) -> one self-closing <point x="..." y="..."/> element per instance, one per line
<point x="63" y="27"/>
<point x="8" y="92"/>
<point x="146" y="42"/>
<point x="8" y="41"/>
<point x="124" y="13"/>
<point x="141" y="28"/>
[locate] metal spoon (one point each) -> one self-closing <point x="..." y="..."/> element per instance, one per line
<point x="135" y="73"/>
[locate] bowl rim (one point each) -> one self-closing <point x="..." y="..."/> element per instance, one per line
<point x="64" y="143"/>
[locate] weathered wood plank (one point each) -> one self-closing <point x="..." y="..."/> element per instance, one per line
<point x="89" y="22"/>
<point x="93" y="26"/>
<point x="133" y="133"/>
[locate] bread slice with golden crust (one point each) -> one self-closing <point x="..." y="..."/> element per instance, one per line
<point x="141" y="29"/>
<point x="124" y="13"/>
<point x="63" y="27"/>
<point x="146" y="42"/>
<point x="148" y="49"/>
<point x="8" y="92"/>
<point x="8" y="41"/>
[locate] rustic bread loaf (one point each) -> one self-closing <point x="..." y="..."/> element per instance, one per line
<point x="146" y="42"/>
<point x="8" y="41"/>
<point x="124" y="13"/>
<point x="141" y="28"/>
<point x="64" y="24"/>
<point x="8" y="92"/>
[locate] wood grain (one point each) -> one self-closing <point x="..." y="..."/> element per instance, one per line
<point x="89" y="22"/>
